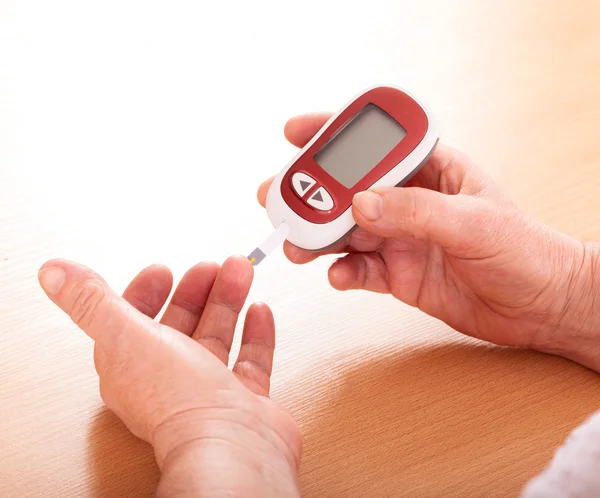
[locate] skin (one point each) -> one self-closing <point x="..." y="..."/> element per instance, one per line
<point x="453" y="245"/>
<point x="169" y="383"/>
<point x="448" y="243"/>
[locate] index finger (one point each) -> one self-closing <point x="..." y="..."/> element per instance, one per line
<point x="224" y="303"/>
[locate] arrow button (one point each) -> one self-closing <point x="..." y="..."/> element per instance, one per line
<point x="321" y="200"/>
<point x="302" y="183"/>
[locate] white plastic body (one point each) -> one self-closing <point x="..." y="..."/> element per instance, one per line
<point x="315" y="236"/>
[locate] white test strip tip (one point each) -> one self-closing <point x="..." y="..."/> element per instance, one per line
<point x="271" y="243"/>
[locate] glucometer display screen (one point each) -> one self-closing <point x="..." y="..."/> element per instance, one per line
<point x="360" y="145"/>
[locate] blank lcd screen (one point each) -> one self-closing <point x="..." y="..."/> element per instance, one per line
<point x="360" y="145"/>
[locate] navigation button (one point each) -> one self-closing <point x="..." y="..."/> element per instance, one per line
<point x="302" y="183"/>
<point x="321" y="200"/>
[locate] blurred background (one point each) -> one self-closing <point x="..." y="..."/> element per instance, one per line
<point x="135" y="132"/>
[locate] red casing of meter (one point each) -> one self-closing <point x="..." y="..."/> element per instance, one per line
<point x="394" y="102"/>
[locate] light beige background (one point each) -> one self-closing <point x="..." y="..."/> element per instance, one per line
<point x="136" y="132"/>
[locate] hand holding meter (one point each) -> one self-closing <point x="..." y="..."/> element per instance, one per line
<point x="381" y="138"/>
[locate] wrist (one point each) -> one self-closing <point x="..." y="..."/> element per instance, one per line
<point x="574" y="324"/>
<point x="223" y="453"/>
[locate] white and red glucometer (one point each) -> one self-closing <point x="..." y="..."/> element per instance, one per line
<point x="381" y="138"/>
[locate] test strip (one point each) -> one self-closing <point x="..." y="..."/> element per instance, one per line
<point x="271" y="243"/>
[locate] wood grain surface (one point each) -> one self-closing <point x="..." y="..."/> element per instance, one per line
<point x="136" y="132"/>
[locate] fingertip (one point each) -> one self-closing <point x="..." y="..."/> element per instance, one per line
<point x="258" y="337"/>
<point x="205" y="270"/>
<point x="298" y="256"/>
<point x="87" y="299"/>
<point x="238" y="268"/>
<point x="291" y="252"/>
<point x="290" y="128"/>
<point x="368" y="206"/>
<point x="238" y="259"/>
<point x="52" y="262"/>
<point x="53" y="273"/>
<point x="299" y="130"/>
<point x="149" y="289"/>
<point x="261" y="307"/>
<point x="263" y="189"/>
<point x="159" y="267"/>
<point x="205" y="266"/>
<point x="161" y="272"/>
<point x="261" y="311"/>
<point x="341" y="275"/>
<point x="51" y="279"/>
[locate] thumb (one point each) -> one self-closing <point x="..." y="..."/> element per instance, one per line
<point x="88" y="300"/>
<point x="458" y="223"/>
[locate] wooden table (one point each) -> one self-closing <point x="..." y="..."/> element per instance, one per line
<point x="121" y="125"/>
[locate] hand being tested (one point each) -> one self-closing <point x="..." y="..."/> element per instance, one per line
<point x="450" y="243"/>
<point x="169" y="381"/>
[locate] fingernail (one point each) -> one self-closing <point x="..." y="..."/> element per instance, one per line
<point x="52" y="279"/>
<point x="369" y="204"/>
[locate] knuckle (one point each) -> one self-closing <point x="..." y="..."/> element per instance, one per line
<point x="253" y="368"/>
<point x="412" y="213"/>
<point x="411" y="208"/>
<point x="87" y="298"/>
<point x="363" y="272"/>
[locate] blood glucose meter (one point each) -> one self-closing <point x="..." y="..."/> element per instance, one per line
<point x="381" y="138"/>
